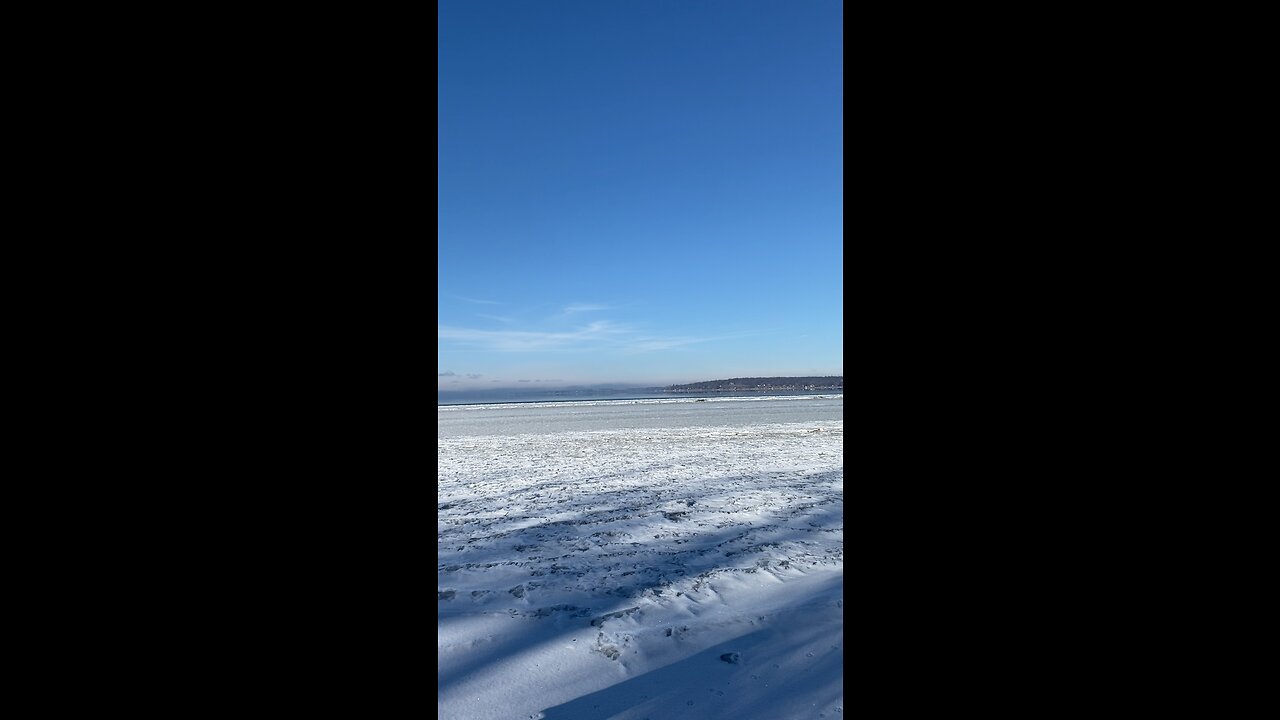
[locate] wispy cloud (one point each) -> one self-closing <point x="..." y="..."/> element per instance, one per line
<point x="652" y="344"/>
<point x="594" y="334"/>
<point x="655" y="344"/>
<point x="446" y="373"/>
<point x="474" y="300"/>
<point x="499" y="318"/>
<point x="585" y="307"/>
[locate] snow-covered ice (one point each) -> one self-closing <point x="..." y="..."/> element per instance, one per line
<point x="669" y="559"/>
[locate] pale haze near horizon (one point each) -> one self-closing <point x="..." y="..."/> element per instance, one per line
<point x="638" y="193"/>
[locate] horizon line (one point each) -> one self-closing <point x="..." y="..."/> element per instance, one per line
<point x="618" y="384"/>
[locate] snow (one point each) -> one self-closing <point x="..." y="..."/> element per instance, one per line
<point x="597" y="562"/>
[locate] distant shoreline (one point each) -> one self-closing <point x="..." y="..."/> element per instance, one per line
<point x="776" y="383"/>
<point x="767" y="389"/>
<point x="497" y="397"/>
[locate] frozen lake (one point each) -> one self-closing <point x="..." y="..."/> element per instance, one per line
<point x="542" y="418"/>
<point x="641" y="559"/>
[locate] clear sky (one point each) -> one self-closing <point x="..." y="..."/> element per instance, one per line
<point x="639" y="191"/>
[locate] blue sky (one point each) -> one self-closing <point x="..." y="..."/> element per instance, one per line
<point x="639" y="191"/>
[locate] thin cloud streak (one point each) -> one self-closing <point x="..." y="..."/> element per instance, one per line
<point x="595" y="336"/>
<point x="474" y="300"/>
<point x="654" y="344"/>
<point x="585" y="307"/>
<point x="531" y="341"/>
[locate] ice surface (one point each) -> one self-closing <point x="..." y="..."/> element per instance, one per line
<point x="556" y="417"/>
<point x="601" y="573"/>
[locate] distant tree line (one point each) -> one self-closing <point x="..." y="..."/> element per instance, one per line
<point x="830" y="382"/>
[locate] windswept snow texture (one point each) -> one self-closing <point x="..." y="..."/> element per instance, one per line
<point x="662" y="560"/>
